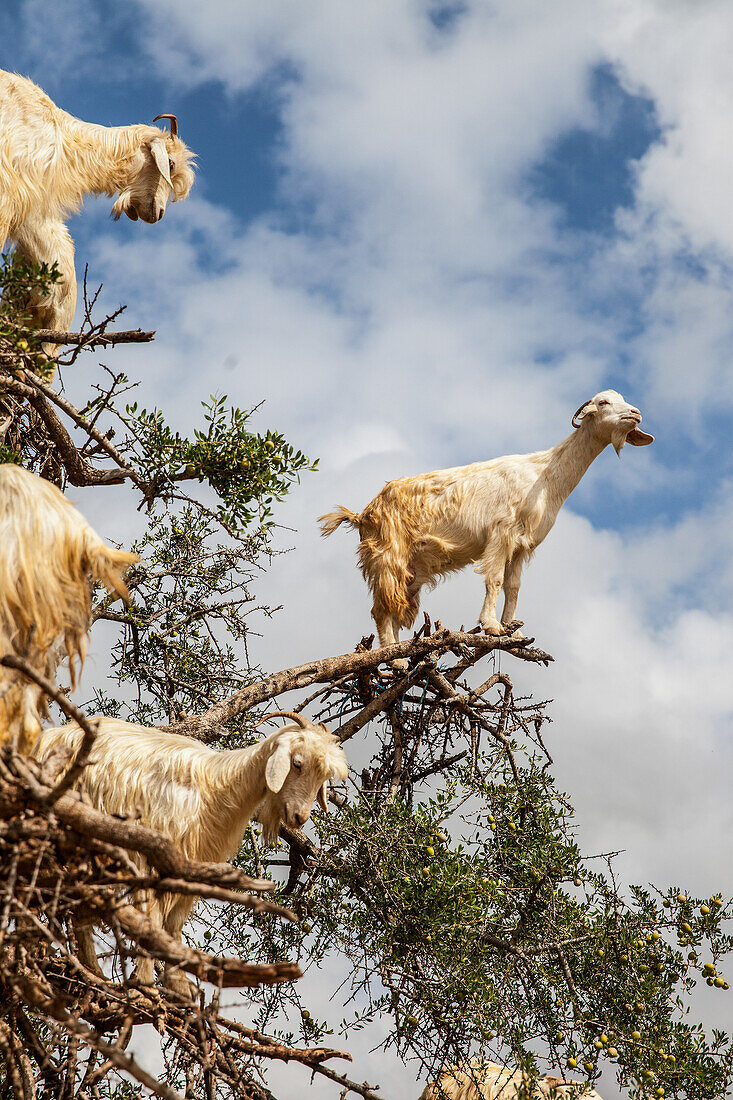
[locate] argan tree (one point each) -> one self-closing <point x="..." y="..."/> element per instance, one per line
<point x="446" y="880"/>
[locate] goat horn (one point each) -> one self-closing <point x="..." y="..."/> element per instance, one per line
<point x="298" y="718"/>
<point x="173" y="121"/>
<point x="575" y="422"/>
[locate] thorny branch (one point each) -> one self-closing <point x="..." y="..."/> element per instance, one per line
<point x="469" y="646"/>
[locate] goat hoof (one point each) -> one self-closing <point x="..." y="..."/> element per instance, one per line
<point x="492" y="627"/>
<point x="400" y="664"/>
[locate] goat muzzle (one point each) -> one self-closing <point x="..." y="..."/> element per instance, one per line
<point x="173" y="121"/>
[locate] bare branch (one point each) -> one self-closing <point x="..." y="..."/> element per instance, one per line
<point x="87" y="339"/>
<point x="208" y="726"/>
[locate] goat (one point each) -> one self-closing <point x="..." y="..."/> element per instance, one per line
<point x="496" y="513"/>
<point x="488" y="1081"/>
<point x="48" y="551"/>
<point x="50" y="160"/>
<point x="201" y="798"/>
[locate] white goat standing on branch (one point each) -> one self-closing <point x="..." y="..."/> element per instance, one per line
<point x="200" y="798"/>
<point x="493" y="513"/>
<point x="50" y="160"/>
<point x="48" y="553"/>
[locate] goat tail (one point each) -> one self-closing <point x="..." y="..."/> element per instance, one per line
<point x="332" y="520"/>
<point x="385" y="568"/>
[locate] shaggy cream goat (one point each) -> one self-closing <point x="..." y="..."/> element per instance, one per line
<point x="201" y="798"/>
<point x="48" y="552"/>
<point x="50" y="160"/>
<point x="487" y="1081"/>
<point x="494" y="513"/>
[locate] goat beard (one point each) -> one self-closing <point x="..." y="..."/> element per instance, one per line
<point x="270" y="819"/>
<point x="122" y="206"/>
<point x="618" y="439"/>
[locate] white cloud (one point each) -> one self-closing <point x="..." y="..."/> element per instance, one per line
<point x="74" y="29"/>
<point x="677" y="53"/>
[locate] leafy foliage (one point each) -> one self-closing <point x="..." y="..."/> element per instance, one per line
<point x="246" y="472"/>
<point x="187" y="621"/>
<point x="20" y="282"/>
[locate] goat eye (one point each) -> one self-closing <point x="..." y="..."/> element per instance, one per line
<point x="604" y="402"/>
<point x="171" y="164"/>
<point x="298" y="765"/>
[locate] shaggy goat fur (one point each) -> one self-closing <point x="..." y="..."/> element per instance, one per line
<point x="50" y="160"/>
<point x="201" y="798"/>
<point x="493" y="513"/>
<point x="48" y="552"/>
<point x="488" y="1081"/>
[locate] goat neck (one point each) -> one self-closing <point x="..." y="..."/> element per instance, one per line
<point x="569" y="460"/>
<point x="101" y="155"/>
<point x="236" y="779"/>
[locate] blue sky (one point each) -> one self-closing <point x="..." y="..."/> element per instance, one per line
<point x="423" y="233"/>
<point x="588" y="172"/>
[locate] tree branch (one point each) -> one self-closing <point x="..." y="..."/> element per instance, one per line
<point x="211" y="724"/>
<point x="219" y="970"/>
<point x="86" y="339"/>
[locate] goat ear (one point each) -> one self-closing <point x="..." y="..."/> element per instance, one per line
<point x="278" y="768"/>
<point x="323" y="797"/>
<point x="160" y="156"/>
<point x="638" y="438"/>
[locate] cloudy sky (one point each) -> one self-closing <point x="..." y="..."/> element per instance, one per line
<point x="424" y="232"/>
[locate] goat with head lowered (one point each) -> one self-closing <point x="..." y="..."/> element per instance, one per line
<point x="200" y="798"/>
<point x="494" y="514"/>
<point x="49" y="161"/>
